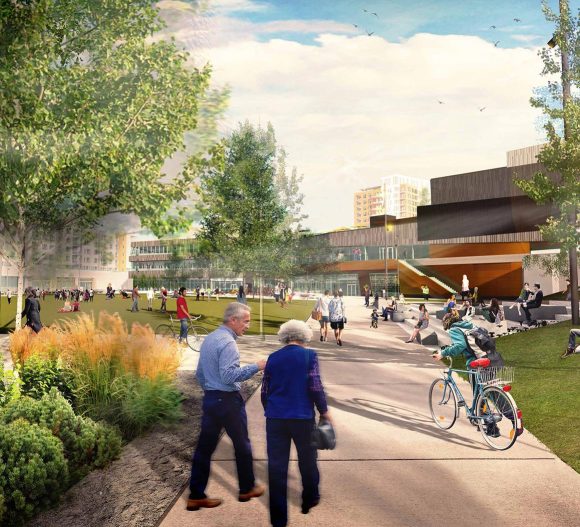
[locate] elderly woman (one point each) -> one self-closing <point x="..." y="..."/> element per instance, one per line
<point x="290" y="390"/>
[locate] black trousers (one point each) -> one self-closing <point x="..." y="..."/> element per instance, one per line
<point x="279" y="434"/>
<point x="527" y="310"/>
<point x="222" y="410"/>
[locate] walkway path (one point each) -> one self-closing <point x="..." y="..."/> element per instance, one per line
<point x="392" y="466"/>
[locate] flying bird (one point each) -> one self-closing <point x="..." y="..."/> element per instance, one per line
<point x="355" y="26"/>
<point x="483" y="108"/>
<point x="491" y="27"/>
<point x="375" y="15"/>
<point x="517" y="19"/>
<point x="440" y="102"/>
<point x="496" y="43"/>
<point x="371" y="33"/>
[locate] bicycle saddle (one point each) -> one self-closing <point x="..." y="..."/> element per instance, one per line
<point x="480" y="363"/>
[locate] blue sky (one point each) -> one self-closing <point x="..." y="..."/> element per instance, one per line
<point x="400" y="19"/>
<point x="427" y="95"/>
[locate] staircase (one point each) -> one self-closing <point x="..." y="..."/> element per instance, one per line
<point x="427" y="273"/>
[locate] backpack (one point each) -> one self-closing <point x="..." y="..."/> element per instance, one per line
<point x="482" y="345"/>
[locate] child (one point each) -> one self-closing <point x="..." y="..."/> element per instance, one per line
<point x="374" y="319"/>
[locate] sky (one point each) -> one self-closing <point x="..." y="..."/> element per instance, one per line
<point x="357" y="90"/>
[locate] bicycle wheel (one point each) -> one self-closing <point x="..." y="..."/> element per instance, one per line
<point x="497" y="415"/>
<point x="166" y="331"/>
<point x="443" y="404"/>
<point x="195" y="336"/>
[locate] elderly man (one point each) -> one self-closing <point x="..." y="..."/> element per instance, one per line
<point x="220" y="375"/>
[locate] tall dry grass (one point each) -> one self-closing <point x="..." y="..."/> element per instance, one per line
<point x="85" y="341"/>
<point x="126" y="378"/>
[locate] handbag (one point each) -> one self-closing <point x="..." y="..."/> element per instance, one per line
<point x="323" y="436"/>
<point x="316" y="314"/>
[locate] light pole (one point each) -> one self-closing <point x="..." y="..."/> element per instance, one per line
<point x="566" y="97"/>
<point x="386" y="238"/>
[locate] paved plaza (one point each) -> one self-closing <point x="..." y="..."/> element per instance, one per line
<point x="392" y="465"/>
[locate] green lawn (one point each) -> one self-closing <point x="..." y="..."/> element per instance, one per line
<point x="546" y="388"/>
<point x="211" y="312"/>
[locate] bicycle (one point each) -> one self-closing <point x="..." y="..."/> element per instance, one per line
<point x="493" y="409"/>
<point x="194" y="337"/>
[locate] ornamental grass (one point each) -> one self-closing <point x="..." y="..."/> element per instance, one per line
<point x="125" y="378"/>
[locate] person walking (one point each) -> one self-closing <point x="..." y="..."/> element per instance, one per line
<point x="291" y="388"/>
<point x="337" y="316"/>
<point x="425" y="292"/>
<point x="220" y="375"/>
<point x="163" y="300"/>
<point x="322" y="306"/>
<point x="183" y="315"/>
<point x="9" y="296"/>
<point x="32" y="310"/>
<point x="91" y="294"/>
<point x="135" y="297"/>
<point x="241" y="298"/>
<point x="150" y="296"/>
<point x="464" y="287"/>
<point x="367" y="296"/>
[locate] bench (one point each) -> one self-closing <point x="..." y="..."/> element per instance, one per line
<point x="544" y="312"/>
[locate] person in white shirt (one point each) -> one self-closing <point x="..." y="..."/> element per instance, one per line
<point x="322" y="306"/>
<point x="464" y="287"/>
<point x="150" y="296"/>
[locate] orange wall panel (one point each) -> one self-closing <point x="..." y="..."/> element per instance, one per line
<point x="477" y="249"/>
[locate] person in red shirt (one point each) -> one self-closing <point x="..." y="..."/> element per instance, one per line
<point x="182" y="314"/>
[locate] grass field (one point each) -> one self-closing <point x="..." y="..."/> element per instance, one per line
<point x="546" y="388"/>
<point x="211" y="311"/>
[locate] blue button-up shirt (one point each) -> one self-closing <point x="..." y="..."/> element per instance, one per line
<point x="219" y="362"/>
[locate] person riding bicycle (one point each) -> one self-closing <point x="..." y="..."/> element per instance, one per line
<point x="453" y="324"/>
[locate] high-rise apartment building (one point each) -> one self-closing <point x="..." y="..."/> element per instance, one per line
<point x="400" y="194"/>
<point x="403" y="194"/>
<point x="367" y="202"/>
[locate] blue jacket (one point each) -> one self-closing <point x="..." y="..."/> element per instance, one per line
<point x="459" y="343"/>
<point x="291" y="386"/>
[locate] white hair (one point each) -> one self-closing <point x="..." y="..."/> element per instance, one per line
<point x="294" y="331"/>
<point x="235" y="310"/>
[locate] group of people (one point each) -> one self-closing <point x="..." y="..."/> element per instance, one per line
<point x="291" y="389"/>
<point x="331" y="311"/>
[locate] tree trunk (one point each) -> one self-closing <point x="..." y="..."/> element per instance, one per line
<point x="19" y="295"/>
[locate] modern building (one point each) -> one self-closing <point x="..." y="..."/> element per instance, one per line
<point x="402" y="195"/>
<point x="479" y="223"/>
<point x="398" y="196"/>
<point x="368" y="202"/>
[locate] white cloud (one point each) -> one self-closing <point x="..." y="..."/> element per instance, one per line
<point x="529" y="39"/>
<point x="352" y="109"/>
<point x="231" y="6"/>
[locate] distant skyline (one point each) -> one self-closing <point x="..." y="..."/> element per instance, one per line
<point x="438" y="88"/>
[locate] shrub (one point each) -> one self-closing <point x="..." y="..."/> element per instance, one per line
<point x="33" y="470"/>
<point x="124" y="378"/>
<point x="87" y="444"/>
<point x="39" y="375"/>
<point x="9" y="386"/>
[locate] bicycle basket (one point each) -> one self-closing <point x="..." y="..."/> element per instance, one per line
<point x="491" y="376"/>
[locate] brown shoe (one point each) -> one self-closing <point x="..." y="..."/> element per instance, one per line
<point x="256" y="492"/>
<point x="206" y="503"/>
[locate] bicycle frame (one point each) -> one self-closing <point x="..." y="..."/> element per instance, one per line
<point x="451" y="384"/>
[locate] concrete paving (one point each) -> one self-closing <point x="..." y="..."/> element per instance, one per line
<point x="392" y="465"/>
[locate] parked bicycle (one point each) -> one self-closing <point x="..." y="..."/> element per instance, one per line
<point x="195" y="333"/>
<point x="493" y="409"/>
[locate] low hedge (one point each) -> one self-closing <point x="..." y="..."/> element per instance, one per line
<point x="33" y="470"/>
<point x="87" y="444"/>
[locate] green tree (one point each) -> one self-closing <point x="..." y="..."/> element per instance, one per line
<point x="561" y="155"/>
<point x="90" y="108"/>
<point x="244" y="222"/>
